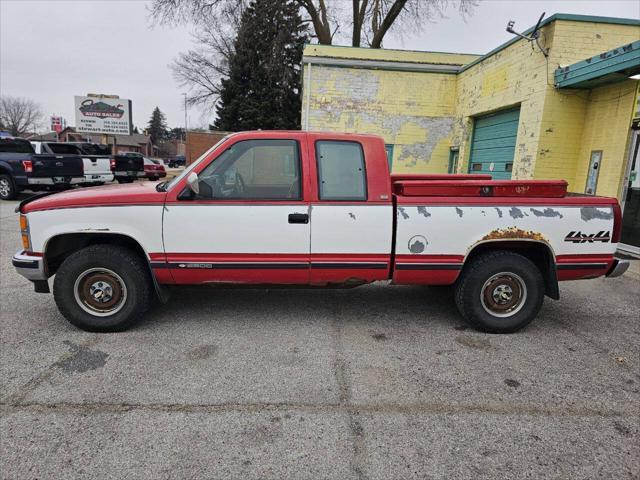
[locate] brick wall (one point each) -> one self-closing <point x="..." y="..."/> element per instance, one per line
<point x="200" y="142"/>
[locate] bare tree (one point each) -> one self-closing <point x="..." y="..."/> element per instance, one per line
<point x="19" y="115"/>
<point x="371" y="20"/>
<point x="201" y="69"/>
<point x="216" y="24"/>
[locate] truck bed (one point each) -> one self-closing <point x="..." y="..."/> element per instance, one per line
<point x="440" y="222"/>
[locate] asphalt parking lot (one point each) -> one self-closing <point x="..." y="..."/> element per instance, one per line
<point x="372" y="383"/>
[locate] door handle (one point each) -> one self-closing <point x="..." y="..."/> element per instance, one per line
<point x="298" y="218"/>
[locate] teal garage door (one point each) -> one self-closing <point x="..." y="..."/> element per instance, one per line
<point x="494" y="143"/>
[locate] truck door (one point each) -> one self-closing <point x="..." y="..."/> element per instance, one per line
<point x="250" y="221"/>
<point x="352" y="213"/>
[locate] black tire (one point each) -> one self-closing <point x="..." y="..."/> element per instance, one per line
<point x="98" y="263"/>
<point x="8" y="190"/>
<point x="482" y="292"/>
<point x="125" y="180"/>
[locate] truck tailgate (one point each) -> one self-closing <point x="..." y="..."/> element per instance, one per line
<point x="96" y="165"/>
<point x="125" y="163"/>
<point x="57" y="166"/>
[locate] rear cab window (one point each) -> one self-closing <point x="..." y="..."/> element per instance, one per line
<point x="15" y="145"/>
<point x="341" y="171"/>
<point x="64" y="149"/>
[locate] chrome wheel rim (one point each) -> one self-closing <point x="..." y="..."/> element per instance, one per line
<point x="5" y="188"/>
<point x="100" y="292"/>
<point x="503" y="295"/>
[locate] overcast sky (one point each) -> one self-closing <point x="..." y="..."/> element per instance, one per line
<point x="52" y="50"/>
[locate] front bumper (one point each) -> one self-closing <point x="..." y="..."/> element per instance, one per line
<point x="29" y="266"/>
<point x="618" y="268"/>
<point x="56" y="181"/>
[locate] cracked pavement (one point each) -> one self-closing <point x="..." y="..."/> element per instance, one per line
<point x="371" y="383"/>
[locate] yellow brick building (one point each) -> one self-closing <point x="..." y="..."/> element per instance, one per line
<point x="559" y="108"/>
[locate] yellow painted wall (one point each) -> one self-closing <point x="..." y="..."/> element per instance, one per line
<point x="567" y="113"/>
<point x="414" y="111"/>
<point x="355" y="53"/>
<point x="423" y="114"/>
<point x="514" y="76"/>
<point x="606" y="128"/>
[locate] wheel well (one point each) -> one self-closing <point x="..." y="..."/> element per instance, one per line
<point x="539" y="253"/>
<point x="58" y="248"/>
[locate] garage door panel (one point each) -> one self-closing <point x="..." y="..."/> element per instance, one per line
<point x="499" y="131"/>
<point x="498" y="118"/>
<point x="503" y="154"/>
<point x="493" y="144"/>
<point x="506" y="142"/>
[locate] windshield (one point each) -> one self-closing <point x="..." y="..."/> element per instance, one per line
<point x="188" y="170"/>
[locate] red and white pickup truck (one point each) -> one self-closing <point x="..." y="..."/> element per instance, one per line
<point x="317" y="209"/>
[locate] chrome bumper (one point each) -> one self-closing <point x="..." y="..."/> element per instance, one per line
<point x="618" y="268"/>
<point x="50" y="181"/>
<point x="98" y="178"/>
<point x="29" y="266"/>
<point x="121" y="173"/>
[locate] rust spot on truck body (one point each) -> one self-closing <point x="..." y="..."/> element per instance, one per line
<point x="514" y="233"/>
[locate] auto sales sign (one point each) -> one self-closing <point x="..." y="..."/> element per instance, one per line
<point x="101" y="114"/>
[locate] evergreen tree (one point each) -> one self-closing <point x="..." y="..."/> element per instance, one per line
<point x="157" y="126"/>
<point x="263" y="88"/>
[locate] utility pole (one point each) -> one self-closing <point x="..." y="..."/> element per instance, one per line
<point x="185" y="129"/>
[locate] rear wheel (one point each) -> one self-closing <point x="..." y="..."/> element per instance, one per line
<point x="500" y="292"/>
<point x="102" y="288"/>
<point x="8" y="190"/>
<point x="124" y="180"/>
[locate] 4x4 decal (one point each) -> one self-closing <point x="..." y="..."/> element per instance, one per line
<point x="579" y="237"/>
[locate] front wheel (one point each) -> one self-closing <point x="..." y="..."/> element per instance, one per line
<point x="500" y="292"/>
<point x="102" y="288"/>
<point x="8" y="190"/>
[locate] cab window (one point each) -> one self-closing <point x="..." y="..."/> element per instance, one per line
<point x="341" y="171"/>
<point x="254" y="170"/>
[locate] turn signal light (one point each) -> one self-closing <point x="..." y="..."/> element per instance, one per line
<point x="113" y="164"/>
<point x="26" y="244"/>
<point x="24" y="224"/>
<point x="28" y="166"/>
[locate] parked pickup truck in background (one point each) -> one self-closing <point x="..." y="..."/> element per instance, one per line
<point x="318" y="209"/>
<point x="97" y="169"/>
<point x="22" y="169"/>
<point x="128" y="166"/>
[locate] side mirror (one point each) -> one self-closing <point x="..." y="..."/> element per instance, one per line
<point x="193" y="183"/>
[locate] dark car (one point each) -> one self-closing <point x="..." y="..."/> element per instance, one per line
<point x="177" y="161"/>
